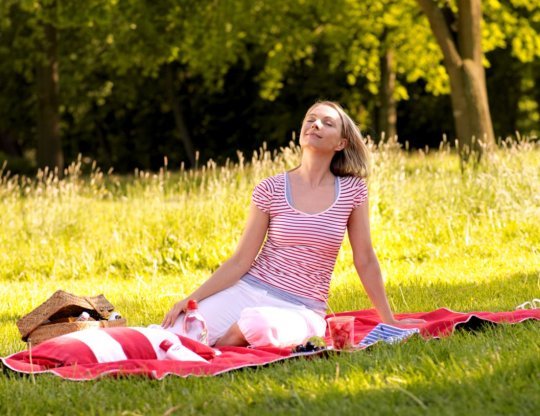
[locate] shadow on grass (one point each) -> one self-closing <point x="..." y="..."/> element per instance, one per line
<point x="494" y="371"/>
<point x="486" y="394"/>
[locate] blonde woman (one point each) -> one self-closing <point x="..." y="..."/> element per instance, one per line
<point x="276" y="295"/>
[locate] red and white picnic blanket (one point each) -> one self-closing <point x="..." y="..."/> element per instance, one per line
<point x="93" y="353"/>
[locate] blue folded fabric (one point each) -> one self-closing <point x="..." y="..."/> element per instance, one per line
<point x="386" y="333"/>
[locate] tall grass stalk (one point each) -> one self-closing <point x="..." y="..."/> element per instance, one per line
<point x="446" y="236"/>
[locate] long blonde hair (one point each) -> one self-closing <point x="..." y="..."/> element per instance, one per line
<point x="354" y="159"/>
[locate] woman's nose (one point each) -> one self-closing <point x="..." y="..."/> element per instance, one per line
<point x="317" y="124"/>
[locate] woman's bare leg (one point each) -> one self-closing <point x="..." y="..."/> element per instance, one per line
<point x="233" y="337"/>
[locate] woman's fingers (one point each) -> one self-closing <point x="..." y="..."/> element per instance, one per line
<point x="173" y="314"/>
<point x="412" y="321"/>
<point x="408" y="321"/>
<point x="170" y="318"/>
<point x="165" y="323"/>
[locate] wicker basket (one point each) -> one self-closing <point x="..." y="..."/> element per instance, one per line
<point x="51" y="330"/>
<point x="58" y="314"/>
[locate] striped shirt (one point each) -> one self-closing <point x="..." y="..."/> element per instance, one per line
<point x="300" y="250"/>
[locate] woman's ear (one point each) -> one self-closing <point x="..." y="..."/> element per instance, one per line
<point x="342" y="144"/>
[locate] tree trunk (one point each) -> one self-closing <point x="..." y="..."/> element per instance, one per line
<point x="49" y="146"/>
<point x="474" y="75"/>
<point x="181" y="127"/>
<point x="463" y="62"/>
<point x="387" y="102"/>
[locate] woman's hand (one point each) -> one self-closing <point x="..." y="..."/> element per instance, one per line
<point x="174" y="313"/>
<point x="407" y="321"/>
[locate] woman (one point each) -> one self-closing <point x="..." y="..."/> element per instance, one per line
<point x="278" y="296"/>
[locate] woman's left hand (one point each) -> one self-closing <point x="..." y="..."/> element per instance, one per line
<point x="407" y="321"/>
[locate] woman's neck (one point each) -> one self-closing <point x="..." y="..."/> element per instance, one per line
<point x="315" y="170"/>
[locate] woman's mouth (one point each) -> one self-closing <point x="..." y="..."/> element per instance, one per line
<point x="312" y="133"/>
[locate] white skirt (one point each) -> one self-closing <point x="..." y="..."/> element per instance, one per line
<point x="264" y="320"/>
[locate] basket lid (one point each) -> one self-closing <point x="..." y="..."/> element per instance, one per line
<point x="62" y="305"/>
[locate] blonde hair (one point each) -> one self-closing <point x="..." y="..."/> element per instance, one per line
<point x="353" y="160"/>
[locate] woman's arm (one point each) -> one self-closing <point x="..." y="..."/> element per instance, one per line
<point x="234" y="268"/>
<point x="367" y="265"/>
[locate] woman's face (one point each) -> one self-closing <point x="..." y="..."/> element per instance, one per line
<point x="321" y="129"/>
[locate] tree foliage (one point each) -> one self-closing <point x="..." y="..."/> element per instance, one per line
<point x="139" y="79"/>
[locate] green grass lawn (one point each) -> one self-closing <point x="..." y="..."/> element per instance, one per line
<point x="466" y="240"/>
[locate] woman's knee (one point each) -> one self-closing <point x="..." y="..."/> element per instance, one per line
<point x="270" y="326"/>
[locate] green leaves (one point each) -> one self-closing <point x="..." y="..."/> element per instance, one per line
<point x="112" y="56"/>
<point x="515" y="23"/>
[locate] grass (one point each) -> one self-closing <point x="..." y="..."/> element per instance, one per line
<point x="463" y="239"/>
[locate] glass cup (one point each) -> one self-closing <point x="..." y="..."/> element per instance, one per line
<point x="341" y="331"/>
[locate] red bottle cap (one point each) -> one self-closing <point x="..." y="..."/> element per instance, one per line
<point x="192" y="305"/>
<point x="165" y="345"/>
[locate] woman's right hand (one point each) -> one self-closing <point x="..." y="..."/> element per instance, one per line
<point x="174" y="313"/>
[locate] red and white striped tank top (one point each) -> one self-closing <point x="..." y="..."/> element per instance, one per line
<point x="300" y="250"/>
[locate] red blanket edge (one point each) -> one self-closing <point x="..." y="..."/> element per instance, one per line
<point x="440" y="322"/>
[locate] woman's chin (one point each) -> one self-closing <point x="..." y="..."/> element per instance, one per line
<point x="314" y="143"/>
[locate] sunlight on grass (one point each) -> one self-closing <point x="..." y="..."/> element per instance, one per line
<point x="465" y="240"/>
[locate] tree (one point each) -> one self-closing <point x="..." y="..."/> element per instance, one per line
<point x="458" y="33"/>
<point x="387" y="118"/>
<point x="32" y="41"/>
<point x="117" y="75"/>
<point x="49" y="146"/>
<point x="512" y="32"/>
<point x="383" y="45"/>
<point x="33" y="52"/>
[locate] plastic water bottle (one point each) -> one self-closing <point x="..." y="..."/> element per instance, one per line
<point x="194" y="323"/>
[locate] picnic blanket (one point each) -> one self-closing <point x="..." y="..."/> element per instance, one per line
<point x="120" y="351"/>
